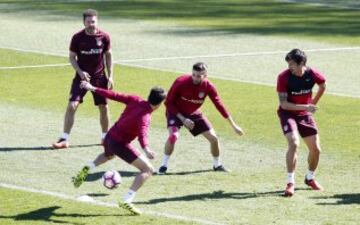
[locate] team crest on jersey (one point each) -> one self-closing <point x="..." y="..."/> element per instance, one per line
<point x="201" y="94"/>
<point x="286" y="127"/>
<point x="98" y="41"/>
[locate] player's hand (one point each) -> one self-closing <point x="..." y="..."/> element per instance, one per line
<point x="150" y="154"/>
<point x="311" y="108"/>
<point x="189" y="124"/>
<point x="84" y="76"/>
<point x="238" y="130"/>
<point x="110" y="83"/>
<point x="87" y="86"/>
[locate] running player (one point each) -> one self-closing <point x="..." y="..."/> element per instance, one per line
<point x="183" y="103"/>
<point x="133" y="122"/>
<point x="294" y="87"/>
<point x="88" y="49"/>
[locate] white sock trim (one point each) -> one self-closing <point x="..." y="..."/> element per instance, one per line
<point x="129" y="197"/>
<point x="290" y="178"/>
<point x="65" y="136"/>
<point x="91" y="165"/>
<point x="216" y="162"/>
<point x="310" y="175"/>
<point x="165" y="160"/>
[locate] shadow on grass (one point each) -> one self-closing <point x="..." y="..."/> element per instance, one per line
<point x="218" y="195"/>
<point x="43" y="148"/>
<point x="342" y="199"/>
<point x="186" y="172"/>
<point x="46" y="214"/>
<point x="97" y="194"/>
<point x="98" y="175"/>
<point x="230" y="16"/>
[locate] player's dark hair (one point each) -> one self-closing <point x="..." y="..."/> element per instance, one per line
<point x="200" y="66"/>
<point x="156" y="96"/>
<point x="297" y="56"/>
<point x="89" y="13"/>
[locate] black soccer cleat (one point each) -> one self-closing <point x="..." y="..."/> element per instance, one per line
<point x="162" y="170"/>
<point x="221" y="168"/>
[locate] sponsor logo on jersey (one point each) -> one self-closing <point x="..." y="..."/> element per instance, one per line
<point x="195" y="101"/>
<point x="301" y="92"/>
<point x="201" y="94"/>
<point x="93" y="51"/>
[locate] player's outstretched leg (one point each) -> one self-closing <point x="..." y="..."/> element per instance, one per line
<point x="81" y="176"/>
<point x="146" y="171"/>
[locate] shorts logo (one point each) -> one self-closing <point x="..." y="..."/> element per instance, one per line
<point x="201" y="94"/>
<point x="172" y="122"/>
<point x="98" y="42"/>
<point x="286" y="127"/>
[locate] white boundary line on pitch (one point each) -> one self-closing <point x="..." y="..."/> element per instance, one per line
<point x="236" y="54"/>
<point x="126" y="63"/>
<point x="106" y="204"/>
<point x="320" y="4"/>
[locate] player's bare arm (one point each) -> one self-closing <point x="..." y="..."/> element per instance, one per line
<point x="284" y="104"/>
<point x="109" y="68"/>
<point x="149" y="153"/>
<point x="319" y="94"/>
<point x="236" y="128"/>
<point x="87" y="86"/>
<point x="72" y="58"/>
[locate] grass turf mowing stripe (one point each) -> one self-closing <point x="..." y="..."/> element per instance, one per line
<point x="100" y="203"/>
<point x="125" y="62"/>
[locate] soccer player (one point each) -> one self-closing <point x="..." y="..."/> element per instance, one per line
<point x="294" y="87"/>
<point x="133" y="122"/>
<point x="89" y="52"/>
<point x="183" y="103"/>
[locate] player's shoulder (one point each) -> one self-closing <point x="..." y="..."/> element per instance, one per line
<point x="103" y="33"/>
<point x="79" y="33"/>
<point x="135" y="98"/>
<point x="314" y="71"/>
<point x="183" y="79"/>
<point x="284" y="74"/>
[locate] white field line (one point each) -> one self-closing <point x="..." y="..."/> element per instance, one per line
<point x="127" y="62"/>
<point x="106" y="204"/>
<point x="321" y="4"/>
<point x="237" y="54"/>
<point x="34" y="66"/>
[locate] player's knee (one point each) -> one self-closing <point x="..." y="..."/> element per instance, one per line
<point x="173" y="136"/>
<point x="294" y="144"/>
<point x="148" y="171"/>
<point x="72" y="107"/>
<point x="214" y="140"/>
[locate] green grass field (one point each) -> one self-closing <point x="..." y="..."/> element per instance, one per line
<point x="33" y="100"/>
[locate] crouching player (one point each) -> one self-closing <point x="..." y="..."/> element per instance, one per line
<point x="133" y="122"/>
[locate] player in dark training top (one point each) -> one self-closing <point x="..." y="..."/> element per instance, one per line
<point x="90" y="53"/>
<point x="183" y="102"/>
<point x="294" y="87"/>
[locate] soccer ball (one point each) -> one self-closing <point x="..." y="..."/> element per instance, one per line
<point x="111" y="179"/>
